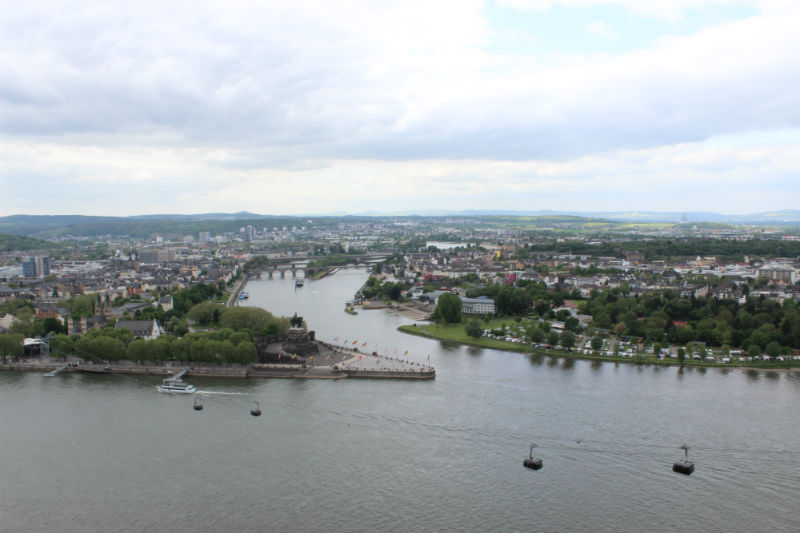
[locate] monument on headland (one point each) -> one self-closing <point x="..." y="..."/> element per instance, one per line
<point x="297" y="353"/>
<point x="295" y="346"/>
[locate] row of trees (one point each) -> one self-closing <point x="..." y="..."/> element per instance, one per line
<point x="762" y="324"/>
<point x="525" y="297"/>
<point x="231" y="343"/>
<point x="384" y="291"/>
<point x="680" y="320"/>
<point x="110" y="344"/>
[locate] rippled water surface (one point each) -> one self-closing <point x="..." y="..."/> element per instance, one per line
<point x="109" y="453"/>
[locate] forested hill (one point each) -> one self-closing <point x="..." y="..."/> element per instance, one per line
<point x="10" y="243"/>
<point x="137" y="227"/>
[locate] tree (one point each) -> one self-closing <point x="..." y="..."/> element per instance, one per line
<point x="137" y="350"/>
<point x="204" y="313"/>
<point x="61" y="346"/>
<point x="474" y="329"/>
<point x="534" y="333"/>
<point x="54" y="325"/>
<point x="568" y="339"/>
<point x="11" y="345"/>
<point x="25" y="314"/>
<point x="259" y="321"/>
<point x="245" y="353"/>
<point x="597" y="343"/>
<point x="773" y="348"/>
<point x="572" y="324"/>
<point x="681" y="355"/>
<point x="657" y="348"/>
<point x="100" y="348"/>
<point x="754" y="350"/>
<point x="448" y="309"/>
<point x="552" y="338"/>
<point x="177" y="327"/>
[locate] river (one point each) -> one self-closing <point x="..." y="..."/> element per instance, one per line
<point x="108" y="453"/>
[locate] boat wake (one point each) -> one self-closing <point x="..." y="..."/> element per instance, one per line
<point x="221" y="393"/>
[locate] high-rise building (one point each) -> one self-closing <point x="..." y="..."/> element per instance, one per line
<point x="36" y="267"/>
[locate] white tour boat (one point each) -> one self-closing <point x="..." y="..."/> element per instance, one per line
<point x="175" y="386"/>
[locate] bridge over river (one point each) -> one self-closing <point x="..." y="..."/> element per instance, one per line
<point x="305" y="266"/>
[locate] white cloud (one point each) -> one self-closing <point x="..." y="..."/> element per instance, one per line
<point x="169" y="107"/>
<point x="602" y="29"/>
<point x="125" y="180"/>
<point x="671" y="10"/>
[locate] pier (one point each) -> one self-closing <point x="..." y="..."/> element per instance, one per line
<point x="56" y="371"/>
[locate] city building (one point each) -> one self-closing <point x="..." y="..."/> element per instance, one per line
<point x="477" y="306"/>
<point x="36" y="267"/>
<point x="778" y="272"/>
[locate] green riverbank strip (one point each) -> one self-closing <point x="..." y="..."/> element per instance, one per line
<point x="456" y="333"/>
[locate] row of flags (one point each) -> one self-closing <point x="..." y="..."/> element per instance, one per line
<point x="363" y="346"/>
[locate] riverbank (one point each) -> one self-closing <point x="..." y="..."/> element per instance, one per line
<point x="234" y="297"/>
<point x="354" y="365"/>
<point x="456" y="334"/>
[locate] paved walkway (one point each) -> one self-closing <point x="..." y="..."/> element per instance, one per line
<point x="384" y="363"/>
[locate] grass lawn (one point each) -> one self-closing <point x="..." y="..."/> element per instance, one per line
<point x="457" y="333"/>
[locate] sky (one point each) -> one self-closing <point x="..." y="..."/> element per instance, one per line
<point x="315" y="107"/>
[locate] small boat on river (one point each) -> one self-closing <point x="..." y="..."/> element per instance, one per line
<point x="176" y="386"/>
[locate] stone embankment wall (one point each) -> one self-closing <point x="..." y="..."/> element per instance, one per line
<point x="391" y="374"/>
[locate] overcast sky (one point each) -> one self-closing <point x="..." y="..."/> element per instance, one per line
<point x="121" y="108"/>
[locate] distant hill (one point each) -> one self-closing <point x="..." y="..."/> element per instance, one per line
<point x="59" y="226"/>
<point x="141" y="226"/>
<point x="784" y="217"/>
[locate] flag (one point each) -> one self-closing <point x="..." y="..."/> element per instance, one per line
<point x="429" y="358"/>
<point x="359" y="357"/>
<point x="363" y="344"/>
<point x="355" y="342"/>
<point x="279" y="357"/>
<point x="295" y="355"/>
<point x="406" y="353"/>
<point x="310" y="357"/>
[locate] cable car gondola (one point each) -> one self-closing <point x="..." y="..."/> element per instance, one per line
<point x="531" y="462"/>
<point x="684" y="466"/>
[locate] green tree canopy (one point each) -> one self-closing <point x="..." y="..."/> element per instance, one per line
<point x="474" y="328"/>
<point x="259" y="321"/>
<point x="448" y="309"/>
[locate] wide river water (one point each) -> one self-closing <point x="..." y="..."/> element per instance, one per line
<point x="109" y="453"/>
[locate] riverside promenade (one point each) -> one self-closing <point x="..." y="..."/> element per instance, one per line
<point x="350" y="364"/>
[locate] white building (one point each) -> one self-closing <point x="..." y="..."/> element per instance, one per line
<point x="477" y="306"/>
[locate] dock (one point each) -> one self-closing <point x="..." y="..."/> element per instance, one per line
<point x="56" y="371"/>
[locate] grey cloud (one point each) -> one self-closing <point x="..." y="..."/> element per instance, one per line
<point x="316" y="87"/>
